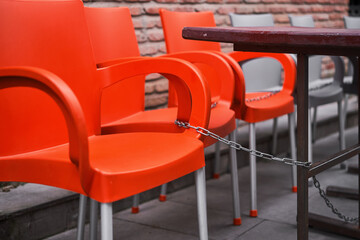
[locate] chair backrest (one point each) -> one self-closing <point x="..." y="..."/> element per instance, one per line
<point x="113" y="37"/>
<point x="314" y="61"/>
<point x="270" y="74"/>
<point x="352" y="22"/>
<point x="173" y="23"/>
<point x="52" y="35"/>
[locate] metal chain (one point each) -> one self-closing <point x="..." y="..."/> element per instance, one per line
<point x="238" y="146"/>
<point x="268" y="156"/>
<point x="265" y="96"/>
<point x="331" y="206"/>
<point x="272" y="93"/>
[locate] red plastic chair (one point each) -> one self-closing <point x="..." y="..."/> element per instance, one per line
<point x="50" y="103"/>
<point x="117" y="43"/>
<point x="250" y="107"/>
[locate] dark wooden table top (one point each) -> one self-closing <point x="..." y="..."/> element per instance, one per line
<point x="282" y="39"/>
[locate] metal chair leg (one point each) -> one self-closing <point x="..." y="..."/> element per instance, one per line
<point x="314" y="124"/>
<point x="135" y="206"/>
<point x="216" y="174"/>
<point x="341" y="113"/>
<point x="94" y="212"/>
<point x="341" y="126"/>
<point x="106" y="221"/>
<point x="201" y="203"/>
<point x="310" y="137"/>
<point x="253" y="209"/>
<point x="291" y="120"/>
<point x="162" y="197"/>
<point x="275" y="136"/>
<point x="310" y="155"/>
<point x="82" y="217"/>
<point x="235" y="181"/>
<point x="344" y="113"/>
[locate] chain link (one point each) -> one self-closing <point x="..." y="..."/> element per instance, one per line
<point x="331" y="206"/>
<point x="272" y="93"/>
<point x="265" y="96"/>
<point x="238" y="146"/>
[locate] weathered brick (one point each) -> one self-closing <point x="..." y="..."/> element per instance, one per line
<point x="225" y="10"/>
<point x="281" y="18"/>
<point x="137" y="23"/>
<point x="162" y="49"/>
<point x="166" y="1"/>
<point x="317" y="8"/>
<point x="277" y="8"/>
<point x="192" y="1"/>
<point x="221" y="20"/>
<point x="132" y="1"/>
<point x="341" y="8"/>
<point x="155" y="100"/>
<point x="214" y="1"/>
<point x="252" y="1"/>
<point x="135" y="11"/>
<point x="152" y="77"/>
<point x="185" y="8"/>
<point x="335" y="16"/>
<point x="321" y="17"/>
<point x="156" y="36"/>
<point x="162" y="85"/>
<point x="305" y="9"/>
<point x="244" y="9"/>
<point x="141" y="37"/>
<point x="233" y="1"/>
<point x="261" y="9"/>
<point x="291" y="9"/>
<point x="285" y="1"/>
<point x="147" y="49"/>
<point x="152" y="10"/>
<point x="149" y="88"/>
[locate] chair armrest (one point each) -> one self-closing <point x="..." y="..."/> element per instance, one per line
<point x="238" y="103"/>
<point x="188" y="81"/>
<point x="285" y="60"/>
<point x="225" y="75"/>
<point x="60" y="92"/>
<point x="117" y="61"/>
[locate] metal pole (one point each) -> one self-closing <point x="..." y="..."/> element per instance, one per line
<point x="302" y="146"/>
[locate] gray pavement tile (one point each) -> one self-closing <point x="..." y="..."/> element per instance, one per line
<point x="271" y="230"/>
<point x="183" y="218"/>
<point x="129" y="231"/>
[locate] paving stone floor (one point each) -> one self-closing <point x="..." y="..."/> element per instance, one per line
<point x="177" y="217"/>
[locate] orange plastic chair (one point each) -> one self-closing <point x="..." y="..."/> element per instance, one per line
<point x="250" y="107"/>
<point x="117" y="43"/>
<point x="50" y="103"/>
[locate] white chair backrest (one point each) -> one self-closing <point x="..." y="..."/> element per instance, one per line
<point x="260" y="74"/>
<point x="314" y="61"/>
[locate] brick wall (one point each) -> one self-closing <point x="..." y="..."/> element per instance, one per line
<point x="326" y="13"/>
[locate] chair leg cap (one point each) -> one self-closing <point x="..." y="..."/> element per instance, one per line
<point x="162" y="198"/>
<point x="134" y="209"/>
<point x="216" y="176"/>
<point x="294" y="189"/>
<point x="253" y="213"/>
<point x="237" y="221"/>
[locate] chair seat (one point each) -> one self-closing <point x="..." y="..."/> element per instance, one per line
<point x="270" y="107"/>
<point x="324" y="95"/>
<point x="222" y="122"/>
<point x="121" y="170"/>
